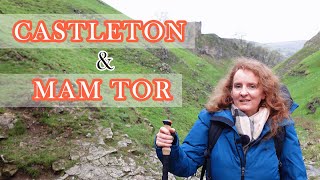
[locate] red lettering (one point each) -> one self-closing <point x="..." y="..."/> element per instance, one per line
<point x="59" y="31"/>
<point x="92" y="37"/>
<point x="76" y="26"/>
<point x="44" y="94"/>
<point x="134" y="89"/>
<point x="152" y="31"/>
<point x="16" y="31"/>
<point x="94" y="93"/>
<point x="162" y="90"/>
<point x="132" y="25"/>
<point x="119" y="84"/>
<point x="67" y="92"/>
<point x="41" y="33"/>
<point x="147" y="29"/>
<point x="142" y="89"/>
<point x="177" y="29"/>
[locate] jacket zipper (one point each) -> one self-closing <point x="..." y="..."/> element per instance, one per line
<point x="242" y="157"/>
<point x="242" y="173"/>
<point x="244" y="163"/>
<point x="243" y="160"/>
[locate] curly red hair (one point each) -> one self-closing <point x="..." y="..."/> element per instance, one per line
<point x="221" y="95"/>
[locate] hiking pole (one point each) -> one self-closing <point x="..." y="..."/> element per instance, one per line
<point x="166" y="154"/>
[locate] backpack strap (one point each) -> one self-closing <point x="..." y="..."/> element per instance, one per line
<point x="214" y="133"/>
<point x="278" y="143"/>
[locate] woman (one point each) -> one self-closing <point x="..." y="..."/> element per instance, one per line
<point x="251" y="105"/>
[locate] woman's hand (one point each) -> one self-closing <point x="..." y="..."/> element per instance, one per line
<point x="164" y="137"/>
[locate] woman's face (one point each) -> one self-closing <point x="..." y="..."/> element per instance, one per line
<point x="247" y="92"/>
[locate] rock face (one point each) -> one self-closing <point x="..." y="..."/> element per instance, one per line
<point x="107" y="162"/>
<point x="104" y="162"/>
<point x="7" y="120"/>
<point x="59" y="165"/>
<point x="110" y="156"/>
<point x="116" y="158"/>
<point x="7" y="169"/>
<point x="107" y="133"/>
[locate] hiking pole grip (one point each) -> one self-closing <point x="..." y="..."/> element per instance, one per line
<point x="166" y="154"/>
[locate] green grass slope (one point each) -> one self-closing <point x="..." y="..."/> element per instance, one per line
<point x="310" y="47"/>
<point x="303" y="83"/>
<point x="301" y="73"/>
<point x="55" y="7"/>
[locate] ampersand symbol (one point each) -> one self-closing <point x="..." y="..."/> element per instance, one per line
<point x="104" y="61"/>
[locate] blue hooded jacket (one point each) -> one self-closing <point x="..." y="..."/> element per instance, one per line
<point x="227" y="157"/>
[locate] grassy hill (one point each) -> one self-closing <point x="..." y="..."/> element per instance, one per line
<point x="305" y="86"/>
<point x="303" y="83"/>
<point x="222" y="48"/>
<point x="310" y="47"/>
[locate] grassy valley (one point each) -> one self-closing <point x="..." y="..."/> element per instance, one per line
<point x="303" y="82"/>
<point x="41" y="136"/>
<point x="310" y="47"/>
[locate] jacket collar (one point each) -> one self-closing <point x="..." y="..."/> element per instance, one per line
<point x="225" y="116"/>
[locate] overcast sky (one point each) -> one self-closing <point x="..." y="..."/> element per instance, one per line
<point x="255" y="20"/>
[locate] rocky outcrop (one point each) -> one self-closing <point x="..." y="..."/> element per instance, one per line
<point x="104" y="162"/>
<point x="7" y="120"/>
<point x="7" y="168"/>
<point x="222" y="48"/>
